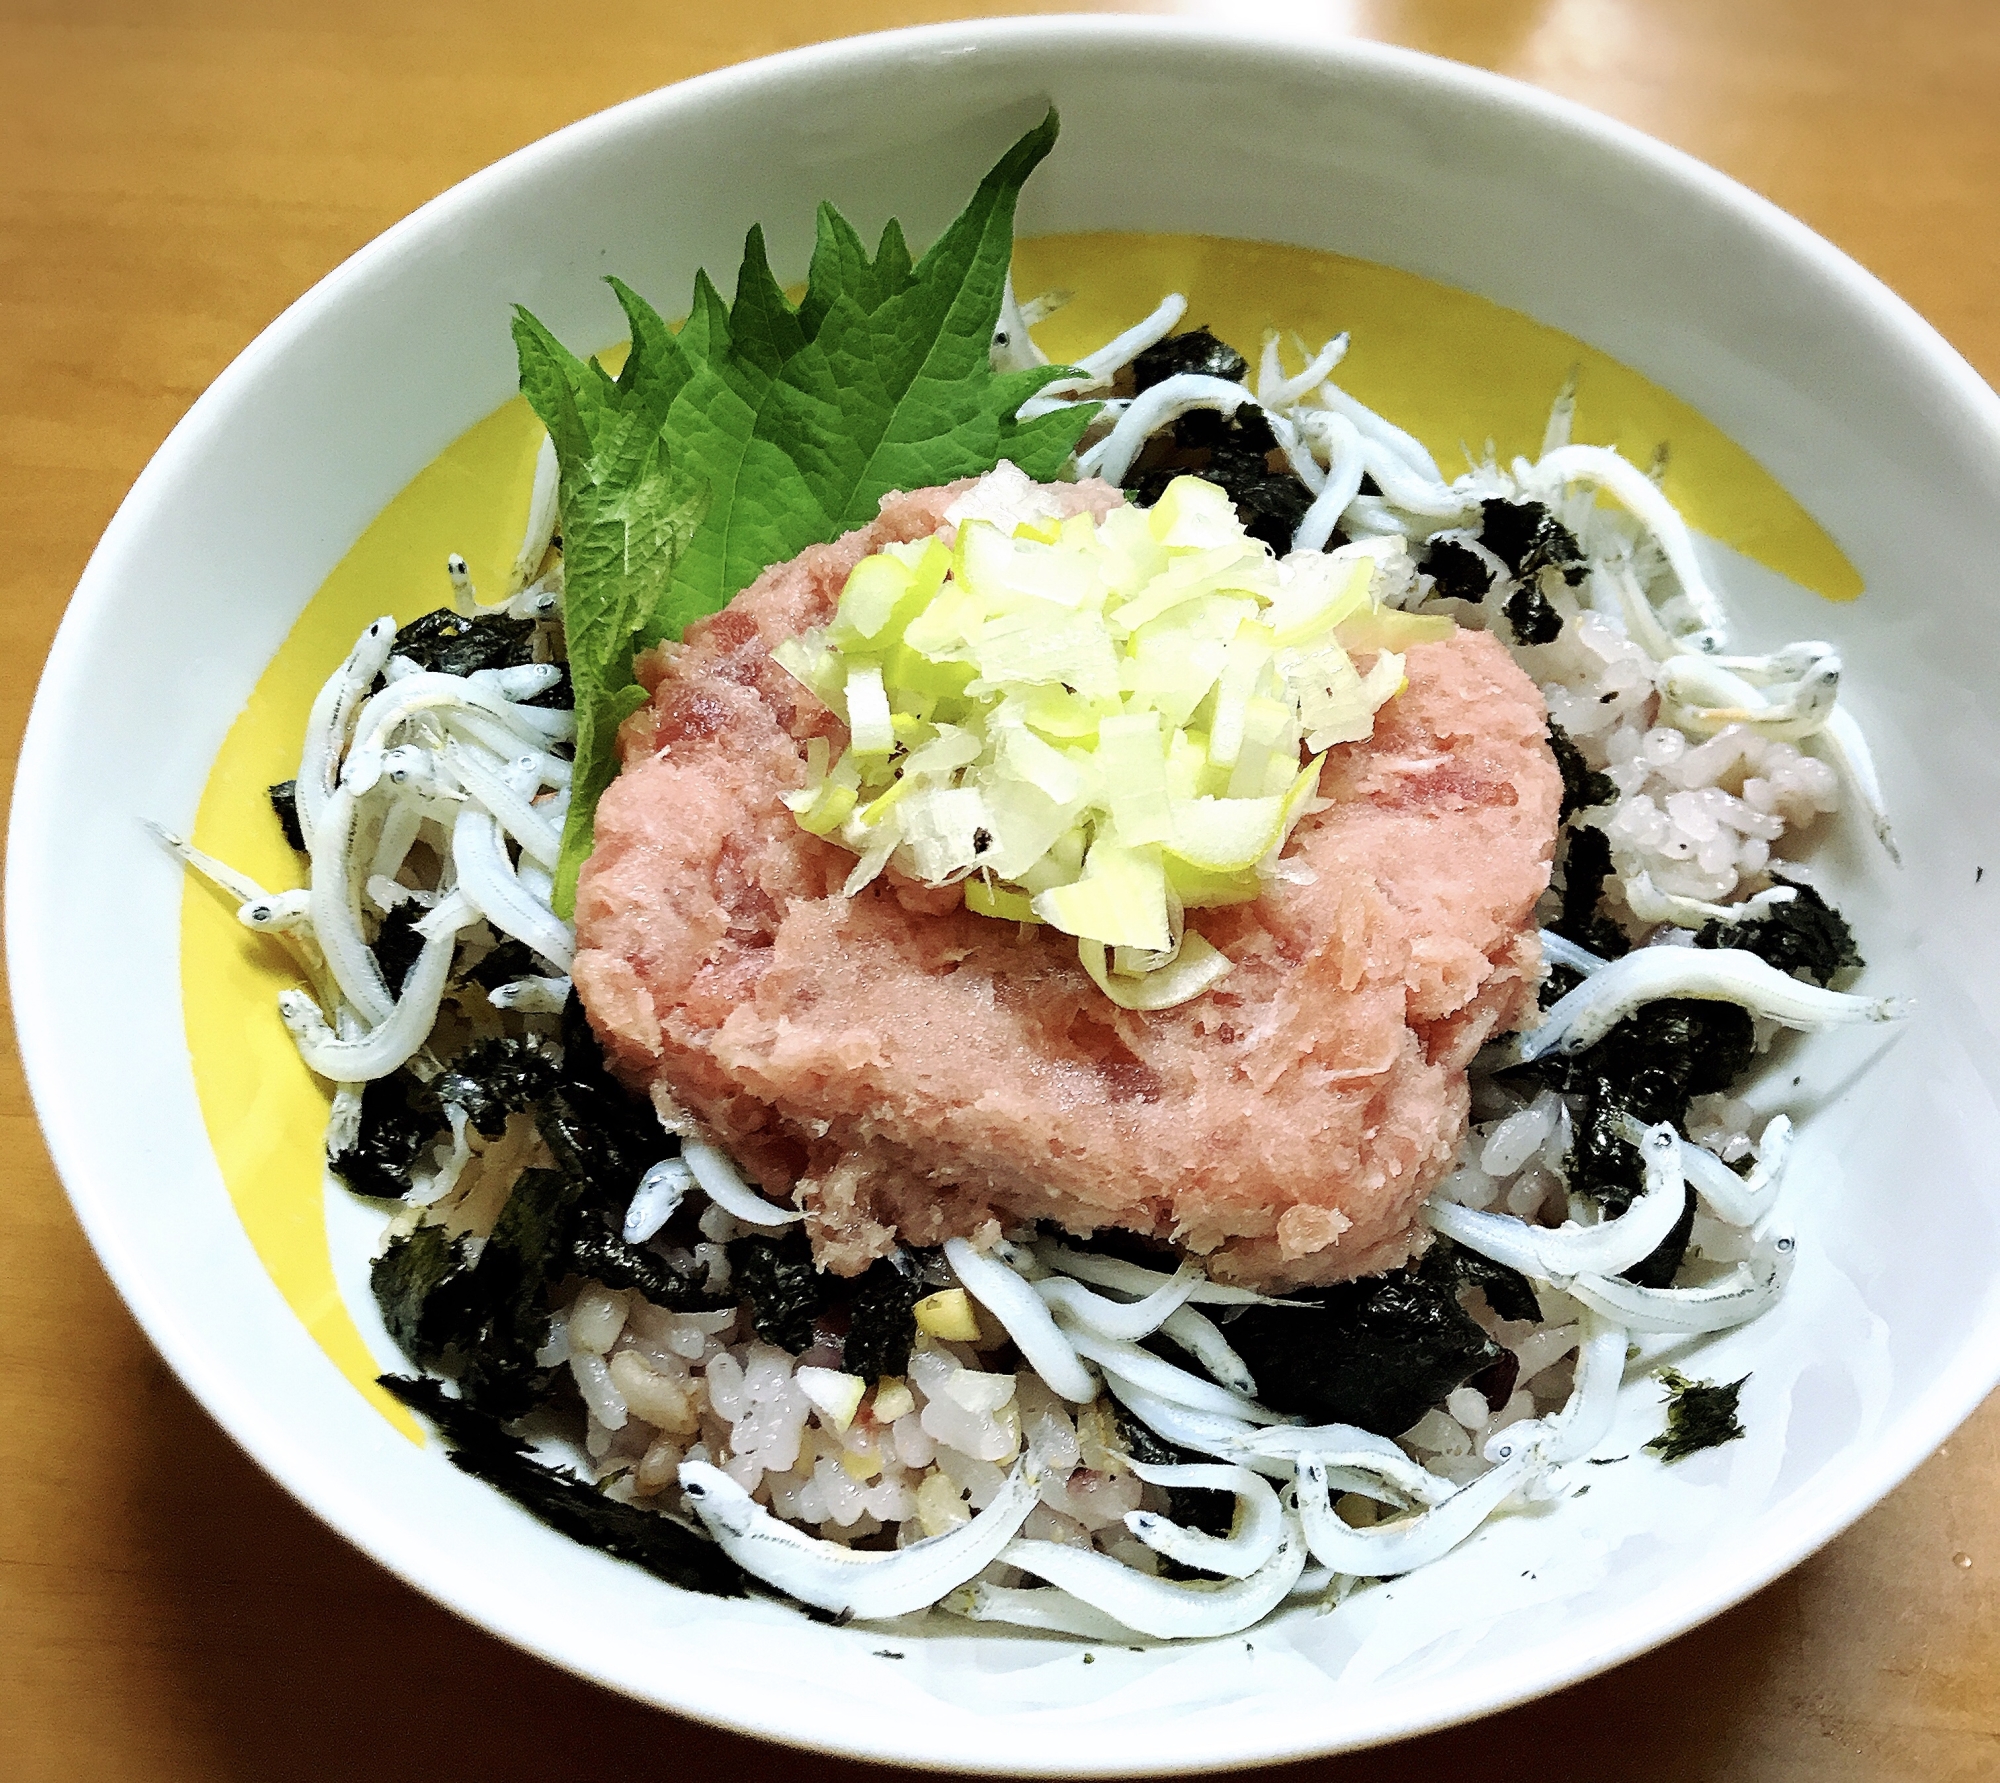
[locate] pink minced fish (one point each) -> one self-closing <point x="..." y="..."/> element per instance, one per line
<point x="921" y="1073"/>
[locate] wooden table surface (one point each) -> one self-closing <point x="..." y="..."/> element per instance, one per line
<point x="172" y="174"/>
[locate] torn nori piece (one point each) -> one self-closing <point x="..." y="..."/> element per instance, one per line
<point x="605" y="1257"/>
<point x="399" y="1118"/>
<point x="601" y="1133"/>
<point x="285" y="802"/>
<point x="1583" y="785"/>
<point x="1496" y="1384"/>
<point x="497" y="1078"/>
<point x="397" y="943"/>
<point x="505" y="961"/>
<point x="482" y="1448"/>
<point x="1660" y="1265"/>
<point x="1804" y="934"/>
<point x="785" y="1291"/>
<point x="1700" y="1415"/>
<point x="1456" y="572"/>
<point x="558" y="696"/>
<point x="1194" y="350"/>
<point x="451" y="644"/>
<point x="1508" y="1292"/>
<point x="1231" y="452"/>
<point x="1378" y="1352"/>
<point x="406" y="1281"/>
<point x="1528" y="539"/>
<point x="1651" y="1065"/>
<point x="883" y="1323"/>
<point x="1586" y="864"/>
<point x="1557" y="983"/>
<point x="1534" y="620"/>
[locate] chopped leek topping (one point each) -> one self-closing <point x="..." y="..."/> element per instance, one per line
<point x="1093" y="724"/>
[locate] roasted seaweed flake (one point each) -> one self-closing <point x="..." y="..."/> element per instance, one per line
<point x="784" y="1289"/>
<point x="1193" y="350"/>
<point x="1586" y="864"/>
<point x="497" y="1078"/>
<point x="1650" y="1066"/>
<point x="400" y="1117"/>
<point x="506" y="960"/>
<point x="607" y="1258"/>
<point x="1508" y="1292"/>
<point x="1583" y="785"/>
<point x="285" y="802"/>
<point x="397" y="943"/>
<point x="482" y="1447"/>
<point x="1700" y="1415"/>
<point x="882" y="1323"/>
<point x="1658" y="1267"/>
<point x="409" y="1280"/>
<point x="449" y="643"/>
<point x="1234" y="453"/>
<point x="1528" y="539"/>
<point x="1805" y="934"/>
<point x="1534" y="620"/>
<point x="1379" y="1352"/>
<point x="1456" y="572"/>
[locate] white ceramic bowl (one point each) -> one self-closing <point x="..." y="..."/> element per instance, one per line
<point x="1891" y="1332"/>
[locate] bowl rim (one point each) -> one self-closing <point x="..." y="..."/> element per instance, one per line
<point x="36" y="820"/>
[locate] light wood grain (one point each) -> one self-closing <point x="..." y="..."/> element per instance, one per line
<point x="171" y="175"/>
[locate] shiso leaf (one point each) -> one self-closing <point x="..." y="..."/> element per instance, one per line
<point x="761" y="429"/>
<point x="482" y="1447"/>
<point x="626" y="515"/>
<point x="1700" y="1415"/>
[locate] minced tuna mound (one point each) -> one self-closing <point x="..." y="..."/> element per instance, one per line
<point x="918" y="1072"/>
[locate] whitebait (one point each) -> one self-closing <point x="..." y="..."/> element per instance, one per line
<point x="1202" y="1339"/>
<point x="1346" y="1449"/>
<point x="1736" y="1200"/>
<point x="1122" y="1277"/>
<point x="1556" y="1254"/>
<point x="332" y="714"/>
<point x="1586" y="1416"/>
<point x="487" y="878"/>
<point x="1721" y="974"/>
<point x="1146" y="1371"/>
<point x="401" y="1034"/>
<point x="1026" y="1317"/>
<point x="1602" y="468"/>
<point x="541" y="528"/>
<point x="1161" y="1607"/>
<point x="1746" y="1291"/>
<point x="849" y="1581"/>
<point x="1127" y="1319"/>
<point x="1402" y="1544"/>
<point x="723" y="1184"/>
<point x="657" y="1199"/>
<point x="1257" y="1528"/>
